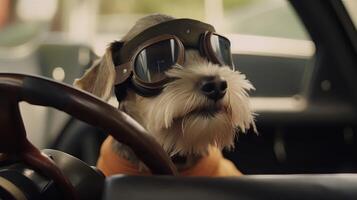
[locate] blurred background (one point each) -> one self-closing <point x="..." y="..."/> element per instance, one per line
<point x="60" y="38"/>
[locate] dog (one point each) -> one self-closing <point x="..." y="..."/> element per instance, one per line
<point x="198" y="112"/>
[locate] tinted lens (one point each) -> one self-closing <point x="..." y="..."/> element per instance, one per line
<point x="152" y="62"/>
<point x="222" y="49"/>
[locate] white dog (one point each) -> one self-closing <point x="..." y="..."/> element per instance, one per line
<point x="203" y="105"/>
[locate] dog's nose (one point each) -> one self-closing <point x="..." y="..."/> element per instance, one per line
<point x="213" y="87"/>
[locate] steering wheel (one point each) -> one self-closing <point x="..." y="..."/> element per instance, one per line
<point x="84" y="106"/>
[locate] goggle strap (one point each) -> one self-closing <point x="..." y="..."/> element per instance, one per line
<point x="122" y="73"/>
<point x="120" y="90"/>
<point x="115" y="47"/>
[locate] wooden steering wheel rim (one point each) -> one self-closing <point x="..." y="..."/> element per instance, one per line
<point x="82" y="105"/>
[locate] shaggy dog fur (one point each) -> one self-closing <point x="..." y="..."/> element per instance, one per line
<point x="174" y="117"/>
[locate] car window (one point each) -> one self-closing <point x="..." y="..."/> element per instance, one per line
<point x="119" y="15"/>
<point x="273" y="18"/>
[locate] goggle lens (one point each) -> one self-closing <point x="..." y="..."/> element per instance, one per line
<point x="152" y="62"/>
<point x="221" y="47"/>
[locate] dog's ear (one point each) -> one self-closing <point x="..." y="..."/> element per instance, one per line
<point x="100" y="77"/>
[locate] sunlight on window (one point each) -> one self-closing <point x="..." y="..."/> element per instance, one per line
<point x="38" y="10"/>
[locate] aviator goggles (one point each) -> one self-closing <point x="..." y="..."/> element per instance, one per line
<point x="146" y="58"/>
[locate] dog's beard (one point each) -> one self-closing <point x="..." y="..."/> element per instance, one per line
<point x="193" y="133"/>
<point x="184" y="121"/>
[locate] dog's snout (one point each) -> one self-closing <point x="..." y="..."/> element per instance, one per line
<point x="213" y="87"/>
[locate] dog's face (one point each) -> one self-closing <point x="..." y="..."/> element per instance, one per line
<point x="203" y="106"/>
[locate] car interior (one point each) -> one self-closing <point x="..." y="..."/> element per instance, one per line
<point x="306" y="117"/>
